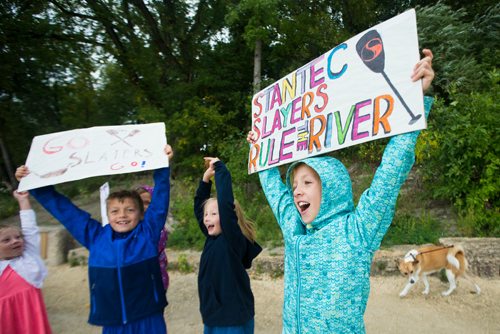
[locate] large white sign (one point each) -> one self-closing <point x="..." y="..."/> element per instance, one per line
<point x="103" y="150"/>
<point x="359" y="91"/>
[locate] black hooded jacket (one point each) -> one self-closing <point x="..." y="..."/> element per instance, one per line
<point x="226" y="298"/>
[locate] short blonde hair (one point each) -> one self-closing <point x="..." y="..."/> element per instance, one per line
<point x="4" y="226"/>
<point x="299" y="164"/>
<point x="246" y="226"/>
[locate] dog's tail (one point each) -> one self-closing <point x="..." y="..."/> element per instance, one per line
<point x="456" y="257"/>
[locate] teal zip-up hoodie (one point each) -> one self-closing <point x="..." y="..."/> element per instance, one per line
<point x="327" y="265"/>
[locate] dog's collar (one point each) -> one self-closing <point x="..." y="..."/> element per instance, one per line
<point x="411" y="256"/>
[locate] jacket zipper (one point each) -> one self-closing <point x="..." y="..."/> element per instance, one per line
<point x="119" y="266"/>
<point x="297" y="269"/>
<point x="92" y="290"/>
<point x="154" y="287"/>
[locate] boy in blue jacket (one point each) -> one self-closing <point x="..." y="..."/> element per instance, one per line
<point x="126" y="289"/>
<point x="329" y="243"/>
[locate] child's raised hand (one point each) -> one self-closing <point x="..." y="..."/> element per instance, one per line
<point x="20" y="195"/>
<point x="21" y="172"/>
<point x="209" y="164"/>
<point x="423" y="70"/>
<point x="169" y="152"/>
<point x="23" y="199"/>
<point x="252" y="137"/>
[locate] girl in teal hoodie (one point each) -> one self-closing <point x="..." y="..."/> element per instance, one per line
<point x="329" y="243"/>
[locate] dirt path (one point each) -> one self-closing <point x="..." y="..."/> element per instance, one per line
<point x="66" y="296"/>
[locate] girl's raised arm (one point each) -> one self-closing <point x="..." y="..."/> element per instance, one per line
<point x="280" y="201"/>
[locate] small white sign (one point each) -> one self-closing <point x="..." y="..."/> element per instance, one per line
<point x="104" y="193"/>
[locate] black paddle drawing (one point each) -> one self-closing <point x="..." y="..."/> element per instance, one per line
<point x="371" y="51"/>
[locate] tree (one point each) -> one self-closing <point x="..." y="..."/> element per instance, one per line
<point x="261" y="22"/>
<point x="459" y="153"/>
<point x="36" y="54"/>
<point x="456" y="44"/>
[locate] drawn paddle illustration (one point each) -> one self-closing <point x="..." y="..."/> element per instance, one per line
<point x="371" y="51"/>
<point x="115" y="133"/>
<point x="54" y="173"/>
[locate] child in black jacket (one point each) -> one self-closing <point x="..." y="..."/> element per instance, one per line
<point x="226" y="299"/>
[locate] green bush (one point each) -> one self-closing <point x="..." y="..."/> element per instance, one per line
<point x="186" y="233"/>
<point x="486" y="225"/>
<point x="183" y="264"/>
<point x="407" y="229"/>
<point x="462" y="157"/>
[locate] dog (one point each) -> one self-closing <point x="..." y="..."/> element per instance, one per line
<point x="418" y="263"/>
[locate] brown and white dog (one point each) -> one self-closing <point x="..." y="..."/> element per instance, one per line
<point x="418" y="263"/>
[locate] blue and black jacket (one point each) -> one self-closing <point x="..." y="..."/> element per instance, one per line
<point x="226" y="298"/>
<point x="124" y="274"/>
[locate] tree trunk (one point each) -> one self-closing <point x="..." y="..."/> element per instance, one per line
<point x="8" y="165"/>
<point x="257" y="62"/>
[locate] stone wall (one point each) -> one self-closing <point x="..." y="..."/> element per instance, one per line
<point x="483" y="255"/>
<point x="55" y="244"/>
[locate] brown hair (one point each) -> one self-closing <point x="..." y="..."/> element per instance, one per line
<point x="141" y="190"/>
<point x="292" y="172"/>
<point x="144" y="189"/>
<point x="121" y="195"/>
<point x="246" y="226"/>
